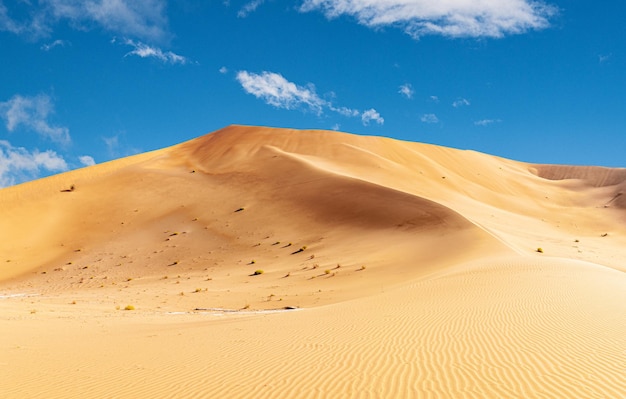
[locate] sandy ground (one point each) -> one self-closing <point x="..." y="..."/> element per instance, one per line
<point x="384" y="269"/>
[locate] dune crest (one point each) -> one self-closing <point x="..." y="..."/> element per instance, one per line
<point x="264" y="262"/>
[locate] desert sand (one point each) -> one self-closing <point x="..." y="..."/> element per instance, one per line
<point x="276" y="263"/>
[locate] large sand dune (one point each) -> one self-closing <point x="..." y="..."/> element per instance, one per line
<point x="389" y="269"/>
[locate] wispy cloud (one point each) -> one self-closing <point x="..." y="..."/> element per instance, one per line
<point x="275" y="90"/>
<point x="452" y="18"/>
<point x="32" y="113"/>
<point x="87" y="160"/>
<point x="56" y="43"/>
<point x="434" y="99"/>
<point x="223" y="70"/>
<point x="146" y="51"/>
<point x="486" y="122"/>
<point x="279" y="92"/>
<point x="406" y="90"/>
<point x="144" y="19"/>
<point x="249" y="7"/>
<point x="18" y="165"/>
<point x="461" y="102"/>
<point x="429" y="118"/>
<point x="371" y="115"/>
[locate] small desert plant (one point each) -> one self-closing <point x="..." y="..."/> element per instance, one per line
<point x="327" y="271"/>
<point x="198" y="290"/>
<point x="362" y="267"/>
<point x="540" y="250"/>
<point x="257" y="272"/>
<point x="252" y="262"/>
<point x="129" y="307"/>
<point x="240" y="209"/>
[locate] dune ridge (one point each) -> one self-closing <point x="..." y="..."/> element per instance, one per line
<point x="416" y="271"/>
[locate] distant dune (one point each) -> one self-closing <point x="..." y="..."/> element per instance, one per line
<point x="268" y="263"/>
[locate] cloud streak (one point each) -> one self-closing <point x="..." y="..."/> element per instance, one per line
<point x="461" y="102"/>
<point x="17" y="164"/>
<point x="249" y="8"/>
<point x="451" y="18"/>
<point x="146" y="51"/>
<point x="140" y="19"/>
<point x="56" y="43"/>
<point x="486" y="122"/>
<point x="429" y="118"/>
<point x="277" y="91"/>
<point x="32" y="113"/>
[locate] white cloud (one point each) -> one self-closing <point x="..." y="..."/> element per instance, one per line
<point x="429" y="118"/>
<point x="32" y="113"/>
<point x="406" y="90"/>
<point x="277" y="91"/>
<point x="345" y="111"/>
<point x="112" y="143"/>
<point x="56" y="43"/>
<point x="87" y="160"/>
<point x="18" y="164"/>
<point x="249" y="8"/>
<point x="145" y="51"/>
<point x="223" y="70"/>
<point x="452" y="18"/>
<point x="336" y="126"/>
<point x="461" y="102"/>
<point x="142" y="19"/>
<point x="434" y="99"/>
<point x="485" y="122"/>
<point x="371" y="115"/>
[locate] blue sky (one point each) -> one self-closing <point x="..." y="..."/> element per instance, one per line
<point x="85" y="82"/>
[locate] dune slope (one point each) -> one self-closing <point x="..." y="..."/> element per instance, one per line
<point x="410" y="270"/>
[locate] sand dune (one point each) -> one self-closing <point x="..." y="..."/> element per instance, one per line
<point x="413" y="269"/>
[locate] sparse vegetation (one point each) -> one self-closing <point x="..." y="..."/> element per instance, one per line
<point x="362" y="267"/>
<point x="327" y="271"/>
<point x="257" y="272"/>
<point x="129" y="307"/>
<point x="240" y="209"/>
<point x="540" y="250"/>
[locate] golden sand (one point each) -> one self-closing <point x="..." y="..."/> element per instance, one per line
<point x="384" y="269"/>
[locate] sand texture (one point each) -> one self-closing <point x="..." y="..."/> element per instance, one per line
<point x="276" y="263"/>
